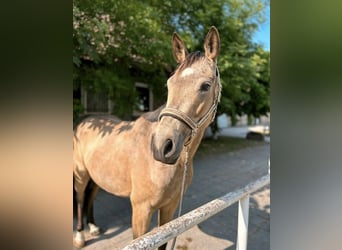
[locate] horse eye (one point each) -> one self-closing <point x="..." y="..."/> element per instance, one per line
<point x="205" y="86"/>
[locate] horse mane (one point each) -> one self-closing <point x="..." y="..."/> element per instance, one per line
<point x="190" y="59"/>
<point x="153" y="115"/>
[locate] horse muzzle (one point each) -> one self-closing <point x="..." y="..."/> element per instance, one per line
<point x="166" y="149"/>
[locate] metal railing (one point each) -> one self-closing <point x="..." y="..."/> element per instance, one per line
<point x="168" y="231"/>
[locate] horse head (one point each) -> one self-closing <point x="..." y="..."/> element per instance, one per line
<point x="193" y="94"/>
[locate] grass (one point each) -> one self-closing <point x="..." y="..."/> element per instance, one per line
<point x="224" y="145"/>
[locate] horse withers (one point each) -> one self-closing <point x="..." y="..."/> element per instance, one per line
<point x="145" y="159"/>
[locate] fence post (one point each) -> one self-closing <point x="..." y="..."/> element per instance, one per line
<point x="243" y="223"/>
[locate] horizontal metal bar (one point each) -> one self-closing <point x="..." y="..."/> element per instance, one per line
<point x="168" y="231"/>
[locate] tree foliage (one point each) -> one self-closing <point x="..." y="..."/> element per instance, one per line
<point x="119" y="42"/>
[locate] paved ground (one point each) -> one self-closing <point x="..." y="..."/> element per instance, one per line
<point x="214" y="176"/>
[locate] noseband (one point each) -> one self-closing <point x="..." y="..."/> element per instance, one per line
<point x="181" y="116"/>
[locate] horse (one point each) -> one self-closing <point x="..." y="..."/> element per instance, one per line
<point x="145" y="159"/>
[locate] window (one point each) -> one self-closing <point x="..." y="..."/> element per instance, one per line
<point x="144" y="100"/>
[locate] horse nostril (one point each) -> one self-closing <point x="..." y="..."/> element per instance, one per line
<point x="168" y="146"/>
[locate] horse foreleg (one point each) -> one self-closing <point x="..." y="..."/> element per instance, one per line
<point x="141" y="219"/>
<point x="79" y="240"/>
<point x="93" y="229"/>
<point x="166" y="214"/>
<point x="80" y="185"/>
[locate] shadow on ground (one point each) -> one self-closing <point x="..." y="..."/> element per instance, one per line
<point x="224" y="224"/>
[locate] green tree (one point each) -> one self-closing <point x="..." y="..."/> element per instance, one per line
<point x="117" y="43"/>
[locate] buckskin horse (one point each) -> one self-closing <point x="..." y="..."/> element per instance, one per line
<point x="145" y="159"/>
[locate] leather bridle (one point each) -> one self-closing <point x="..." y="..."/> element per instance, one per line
<point x="183" y="117"/>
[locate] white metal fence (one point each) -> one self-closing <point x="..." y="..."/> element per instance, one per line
<point x="163" y="234"/>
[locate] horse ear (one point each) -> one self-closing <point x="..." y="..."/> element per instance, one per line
<point x="179" y="49"/>
<point x="212" y="44"/>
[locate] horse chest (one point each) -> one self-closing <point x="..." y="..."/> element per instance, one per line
<point x="164" y="177"/>
<point x="167" y="182"/>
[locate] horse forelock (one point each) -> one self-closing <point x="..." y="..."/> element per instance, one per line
<point x="190" y="60"/>
<point x="194" y="57"/>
